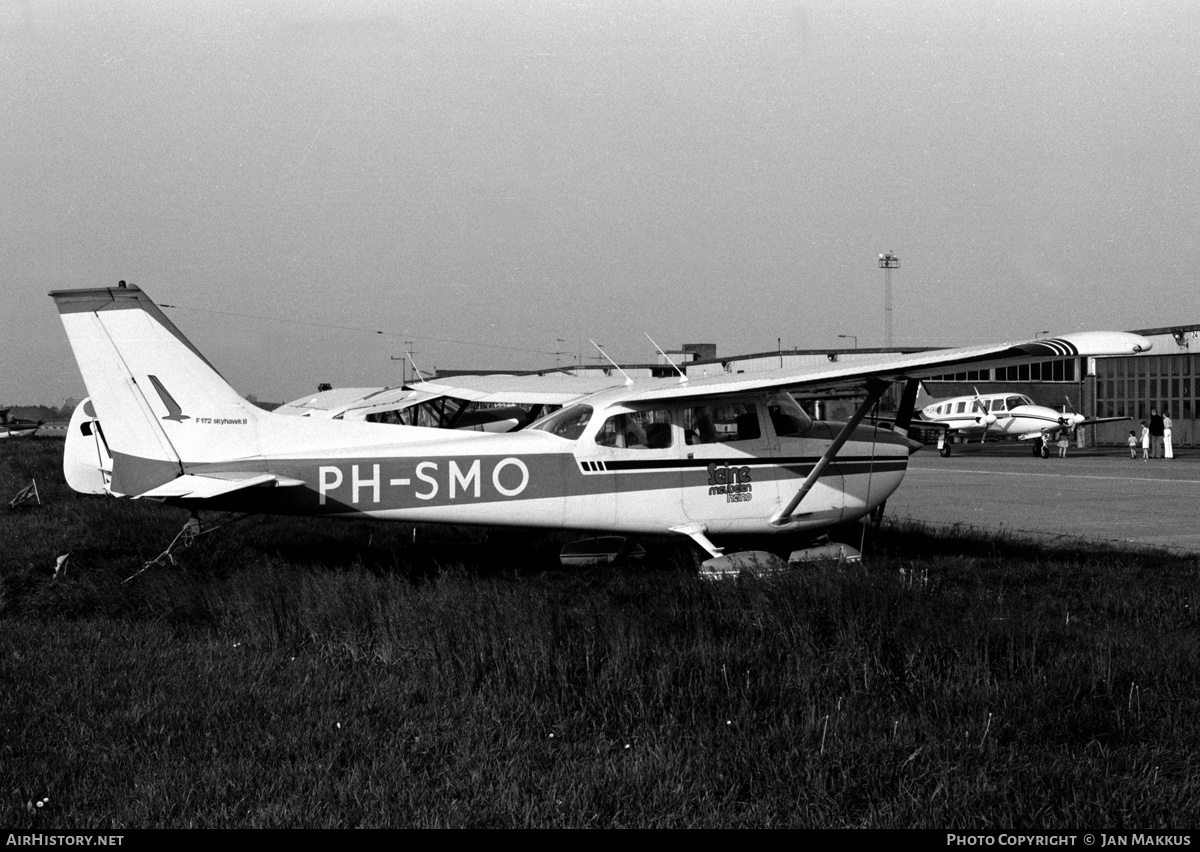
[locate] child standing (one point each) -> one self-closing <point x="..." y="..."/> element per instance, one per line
<point x="1133" y="442"/>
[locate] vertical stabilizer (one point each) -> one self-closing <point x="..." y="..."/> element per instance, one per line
<point x="162" y="405"/>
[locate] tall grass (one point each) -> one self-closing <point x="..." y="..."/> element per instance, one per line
<point x="290" y="672"/>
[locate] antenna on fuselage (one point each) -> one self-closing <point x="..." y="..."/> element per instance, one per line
<point x="628" y="380"/>
<point x="682" y="375"/>
<point x="414" y="366"/>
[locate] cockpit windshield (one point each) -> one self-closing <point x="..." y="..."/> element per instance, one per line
<point x="567" y="423"/>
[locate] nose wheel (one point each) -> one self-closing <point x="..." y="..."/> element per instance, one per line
<point x="944" y="449"/>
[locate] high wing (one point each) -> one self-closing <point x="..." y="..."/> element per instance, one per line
<point x="861" y="373"/>
<point x="338" y="401"/>
<point x="550" y="389"/>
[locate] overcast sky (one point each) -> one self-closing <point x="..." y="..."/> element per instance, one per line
<point x="515" y="173"/>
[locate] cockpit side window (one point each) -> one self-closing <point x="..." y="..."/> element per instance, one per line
<point x="787" y="417"/>
<point x="568" y="423"/>
<point x="719" y="424"/>
<point x="637" y="430"/>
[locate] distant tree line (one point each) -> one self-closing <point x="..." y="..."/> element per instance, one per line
<point x="40" y="412"/>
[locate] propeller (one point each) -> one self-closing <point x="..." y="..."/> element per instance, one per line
<point x="985" y="417"/>
<point x="1073" y="420"/>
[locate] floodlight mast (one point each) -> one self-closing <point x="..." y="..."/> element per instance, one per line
<point x="888" y="262"/>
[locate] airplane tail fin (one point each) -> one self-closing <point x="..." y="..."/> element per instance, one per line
<point x="923" y="398"/>
<point x="161" y="403"/>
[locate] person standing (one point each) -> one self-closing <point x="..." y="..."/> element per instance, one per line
<point x="1156" y="433"/>
<point x="1145" y="442"/>
<point x="1168" y="449"/>
<point x="1064" y="441"/>
<point x="1133" y="442"/>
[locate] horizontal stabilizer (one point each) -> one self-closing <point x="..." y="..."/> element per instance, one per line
<point x="201" y="486"/>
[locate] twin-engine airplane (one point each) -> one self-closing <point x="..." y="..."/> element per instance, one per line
<point x="707" y="458"/>
<point x="999" y="415"/>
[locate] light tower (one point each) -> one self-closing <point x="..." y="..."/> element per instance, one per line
<point x="888" y="262"/>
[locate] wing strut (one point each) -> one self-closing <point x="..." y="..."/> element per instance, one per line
<point x="875" y="389"/>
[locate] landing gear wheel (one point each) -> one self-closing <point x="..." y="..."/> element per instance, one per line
<point x="945" y="449"/>
<point x="1037" y="448"/>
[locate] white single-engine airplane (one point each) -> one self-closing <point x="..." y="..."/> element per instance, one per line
<point x="707" y="458"/>
<point x="999" y="415"/>
<point x="16" y="427"/>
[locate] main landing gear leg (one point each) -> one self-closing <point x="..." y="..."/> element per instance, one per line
<point x="696" y="532"/>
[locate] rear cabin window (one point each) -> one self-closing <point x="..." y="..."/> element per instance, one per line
<point x="637" y="430"/>
<point x="568" y="423"/>
<point x="719" y="424"/>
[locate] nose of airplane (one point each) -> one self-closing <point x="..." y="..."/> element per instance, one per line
<point x="1141" y="344"/>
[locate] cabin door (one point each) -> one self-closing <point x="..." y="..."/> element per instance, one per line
<point x="728" y="466"/>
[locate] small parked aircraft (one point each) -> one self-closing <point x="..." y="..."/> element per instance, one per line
<point x="495" y="403"/>
<point x="16" y="427"/>
<point x="710" y="457"/>
<point x="999" y="415"/>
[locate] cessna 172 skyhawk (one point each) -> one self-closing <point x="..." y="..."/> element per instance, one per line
<point x="999" y="415"/>
<point x="706" y="458"/>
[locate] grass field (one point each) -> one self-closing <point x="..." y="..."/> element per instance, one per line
<point x="291" y="672"/>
